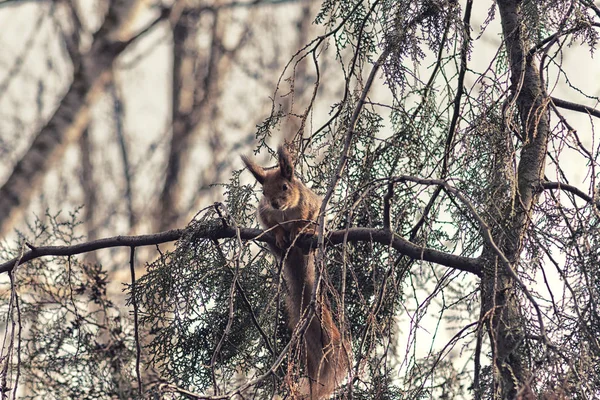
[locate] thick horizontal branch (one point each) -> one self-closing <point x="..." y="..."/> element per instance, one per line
<point x="385" y="237"/>
<point x="567" y="105"/>
<point x="567" y="188"/>
<point x="405" y="247"/>
<point x="93" y="245"/>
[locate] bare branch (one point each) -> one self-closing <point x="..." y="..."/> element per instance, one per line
<point x="568" y="105"/>
<point x="335" y="178"/>
<point x="116" y="241"/>
<point x="568" y="188"/>
<point x="486" y="233"/>
<point x="385" y="237"/>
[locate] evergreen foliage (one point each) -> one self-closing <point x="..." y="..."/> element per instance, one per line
<point x="211" y="314"/>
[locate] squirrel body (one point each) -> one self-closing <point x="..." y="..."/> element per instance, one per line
<point x="288" y="207"/>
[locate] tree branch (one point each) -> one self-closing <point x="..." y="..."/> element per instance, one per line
<point x="385" y="237"/>
<point x="568" y="188"/>
<point x="386" y="205"/>
<point x="115" y="241"/>
<point x="568" y="105"/>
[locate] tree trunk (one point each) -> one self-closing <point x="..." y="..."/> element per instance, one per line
<point x="185" y="65"/>
<point x="501" y="309"/>
<point x="72" y="116"/>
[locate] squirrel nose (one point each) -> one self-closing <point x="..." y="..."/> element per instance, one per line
<point x="275" y="204"/>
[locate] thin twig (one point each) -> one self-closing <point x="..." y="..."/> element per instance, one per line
<point x="3" y="386"/>
<point x="337" y="175"/>
<point x="27" y="47"/>
<point x="386" y="206"/>
<point x="138" y="350"/>
<point x="247" y="303"/>
<point x="20" y="328"/>
<point x="464" y="51"/>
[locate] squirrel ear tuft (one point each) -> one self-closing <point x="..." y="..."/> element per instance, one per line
<point x="256" y="170"/>
<point x="286" y="164"/>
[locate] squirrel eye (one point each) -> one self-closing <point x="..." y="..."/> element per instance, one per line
<point x="285" y="186"/>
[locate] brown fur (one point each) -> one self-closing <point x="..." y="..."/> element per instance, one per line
<point x="289" y="208"/>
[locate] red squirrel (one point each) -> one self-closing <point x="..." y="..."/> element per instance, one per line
<point x="288" y="208"/>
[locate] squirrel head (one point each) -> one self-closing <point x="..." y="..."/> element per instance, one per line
<point x="280" y="187"/>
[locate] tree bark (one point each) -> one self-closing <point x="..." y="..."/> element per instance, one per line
<point x="501" y="309"/>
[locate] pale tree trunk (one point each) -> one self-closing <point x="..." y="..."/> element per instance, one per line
<point x="89" y="191"/>
<point x="501" y="309"/>
<point x="195" y="98"/>
<point x="185" y="64"/>
<point x="72" y="115"/>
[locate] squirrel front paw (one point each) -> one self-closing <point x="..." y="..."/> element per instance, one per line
<point x="309" y="229"/>
<point x="280" y="238"/>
